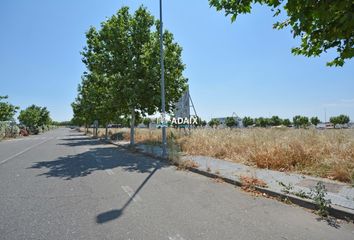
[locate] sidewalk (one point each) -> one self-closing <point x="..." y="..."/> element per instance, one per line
<point x="339" y="193"/>
<point x="279" y="183"/>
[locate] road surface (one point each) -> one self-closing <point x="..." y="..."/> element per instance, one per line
<point x="63" y="185"/>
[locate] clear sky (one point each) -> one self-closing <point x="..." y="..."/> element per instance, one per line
<point x="245" y="67"/>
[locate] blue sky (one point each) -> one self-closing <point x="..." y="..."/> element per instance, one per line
<point x="245" y="67"/>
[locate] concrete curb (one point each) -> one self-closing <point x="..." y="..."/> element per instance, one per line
<point x="335" y="211"/>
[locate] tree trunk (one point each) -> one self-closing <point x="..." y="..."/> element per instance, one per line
<point x="132" y="126"/>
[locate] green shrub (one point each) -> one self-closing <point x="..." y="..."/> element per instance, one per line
<point x="45" y="128"/>
<point x="8" y="129"/>
<point x="2" y="129"/>
<point x="319" y="193"/>
<point x="35" y="130"/>
<point x="12" y="131"/>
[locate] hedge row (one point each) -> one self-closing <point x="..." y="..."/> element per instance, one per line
<point x="10" y="130"/>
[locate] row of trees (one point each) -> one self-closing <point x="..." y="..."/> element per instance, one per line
<point x="297" y="121"/>
<point x="35" y="118"/>
<point x="122" y="80"/>
<point x="341" y="119"/>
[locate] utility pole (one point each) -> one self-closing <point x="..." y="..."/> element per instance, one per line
<point x="325" y="113"/>
<point x="163" y="112"/>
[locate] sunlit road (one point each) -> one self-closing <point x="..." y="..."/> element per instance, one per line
<point x="63" y="185"/>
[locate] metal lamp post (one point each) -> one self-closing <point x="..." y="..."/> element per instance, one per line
<point x="163" y="111"/>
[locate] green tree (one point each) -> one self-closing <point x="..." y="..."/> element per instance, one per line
<point x="124" y="121"/>
<point x="146" y="121"/>
<point x="126" y="51"/>
<point x="301" y="121"/>
<point x="321" y="25"/>
<point x="34" y="116"/>
<point x="81" y="115"/>
<point x="286" y="122"/>
<point x="30" y="117"/>
<point x="247" y="121"/>
<point x="214" y="122"/>
<point x="341" y="119"/>
<point x="230" y="122"/>
<point x="275" y="121"/>
<point x="296" y="121"/>
<point x="44" y="117"/>
<point x="334" y="121"/>
<point x="7" y="110"/>
<point x="262" y="122"/>
<point x="315" y="121"/>
<point x="94" y="101"/>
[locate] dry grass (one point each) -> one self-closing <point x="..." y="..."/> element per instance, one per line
<point x="184" y="165"/>
<point x="249" y="183"/>
<point x="324" y="153"/>
<point x="328" y="153"/>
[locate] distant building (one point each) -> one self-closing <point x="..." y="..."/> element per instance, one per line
<point x="153" y="125"/>
<point x="329" y="125"/>
<point x="346" y="125"/>
<point x="141" y="125"/>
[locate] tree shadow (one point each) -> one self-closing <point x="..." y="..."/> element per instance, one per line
<point x="99" y="157"/>
<point x="79" y="137"/>
<point x="331" y="221"/>
<point x="74" y="132"/>
<point x="80" y="141"/>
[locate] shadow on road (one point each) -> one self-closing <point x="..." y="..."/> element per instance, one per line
<point x="82" y="141"/>
<point x="331" y="221"/>
<point x="116" y="213"/>
<point x="98" y="157"/>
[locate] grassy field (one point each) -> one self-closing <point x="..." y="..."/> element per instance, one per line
<point x="323" y="153"/>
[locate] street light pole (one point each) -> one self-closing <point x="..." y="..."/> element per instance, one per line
<point x="163" y="112"/>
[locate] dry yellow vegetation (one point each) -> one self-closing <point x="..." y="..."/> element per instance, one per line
<point x="323" y="153"/>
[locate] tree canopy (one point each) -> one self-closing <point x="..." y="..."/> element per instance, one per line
<point x="286" y="122"/>
<point x="315" y="121"/>
<point x="214" y="122"/>
<point x="230" y="122"/>
<point x="123" y="70"/>
<point x="34" y="116"/>
<point x="341" y="119"/>
<point x="7" y="110"/>
<point x="321" y="25"/>
<point x="275" y="121"/>
<point x="300" y="121"/>
<point x="262" y="122"/>
<point x="247" y="121"/>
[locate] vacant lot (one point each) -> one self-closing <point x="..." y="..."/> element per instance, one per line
<point x="324" y="153"/>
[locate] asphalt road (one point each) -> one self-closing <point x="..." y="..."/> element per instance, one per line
<point x="63" y="185"/>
